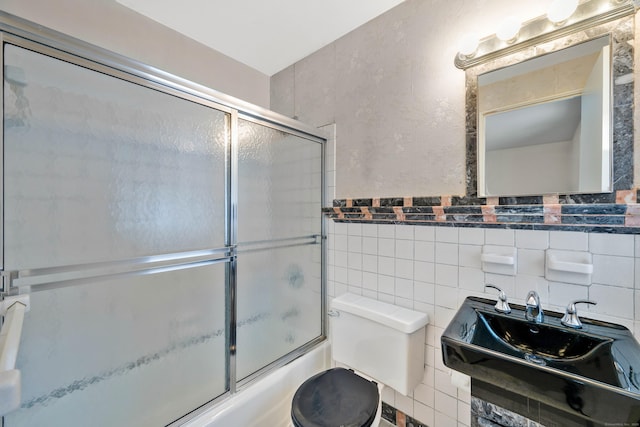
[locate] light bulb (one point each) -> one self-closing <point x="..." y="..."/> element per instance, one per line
<point x="469" y="44"/>
<point x="508" y="29"/>
<point x="560" y="10"/>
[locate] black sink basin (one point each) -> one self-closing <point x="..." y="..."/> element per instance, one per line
<point x="591" y="373"/>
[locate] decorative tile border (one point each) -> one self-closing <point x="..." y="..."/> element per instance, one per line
<point x="399" y="418"/>
<point x="606" y="213"/>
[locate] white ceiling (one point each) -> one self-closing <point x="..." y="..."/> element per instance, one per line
<point x="268" y="35"/>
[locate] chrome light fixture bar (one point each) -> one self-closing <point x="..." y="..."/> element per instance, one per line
<point x="542" y="29"/>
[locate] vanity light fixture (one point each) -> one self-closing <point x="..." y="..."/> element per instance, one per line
<point x="564" y="17"/>
<point x="509" y="29"/>
<point x="561" y="10"/>
<point x="468" y="45"/>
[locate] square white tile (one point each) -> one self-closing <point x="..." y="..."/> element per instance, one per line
<point x="613" y="270"/>
<point x="447" y="234"/>
<point x="386" y="265"/>
<point x="424" y="251"/>
<point x="387" y="231"/>
<point x="471" y="236"/>
<point x="404" y="249"/>
<point x="425" y="233"/>
<point x="404" y="268"/>
<point x="354" y="243"/>
<point x="446" y="253"/>
<point x="370" y="245"/>
<point x="405" y="232"/>
<point x="500" y="237"/>
<point x="532" y="239"/>
<point x="386" y="247"/>
<point x="612" y="244"/>
<point x="469" y="256"/>
<point x="569" y="240"/>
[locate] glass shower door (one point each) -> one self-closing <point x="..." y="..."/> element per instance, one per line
<point x="150" y="298"/>
<point x="279" y="284"/>
<point x="115" y="223"/>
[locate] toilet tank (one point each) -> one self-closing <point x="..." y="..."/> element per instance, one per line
<point x="383" y="341"/>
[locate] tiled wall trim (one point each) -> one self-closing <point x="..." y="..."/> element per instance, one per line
<point x="399" y="418"/>
<point x="610" y="213"/>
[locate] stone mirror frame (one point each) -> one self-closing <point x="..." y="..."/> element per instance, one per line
<point x="621" y="33"/>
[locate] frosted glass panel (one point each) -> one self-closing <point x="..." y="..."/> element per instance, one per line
<point x="139" y="351"/>
<point x="279" y="184"/>
<point x="279" y="302"/>
<point x="98" y="168"/>
<point x="279" y="288"/>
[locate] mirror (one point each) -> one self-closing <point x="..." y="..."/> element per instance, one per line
<point x="544" y="125"/>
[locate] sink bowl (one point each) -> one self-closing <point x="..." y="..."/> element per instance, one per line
<point x="589" y="373"/>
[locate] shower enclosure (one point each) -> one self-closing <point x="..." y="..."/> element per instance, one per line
<point x="169" y="237"/>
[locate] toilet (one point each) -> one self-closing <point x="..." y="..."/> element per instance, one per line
<point x="375" y="344"/>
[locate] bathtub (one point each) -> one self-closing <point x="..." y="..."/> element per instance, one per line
<point x="267" y="402"/>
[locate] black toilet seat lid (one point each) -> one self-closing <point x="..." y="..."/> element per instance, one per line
<point x="336" y="397"/>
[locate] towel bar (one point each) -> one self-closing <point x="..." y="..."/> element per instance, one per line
<point x="13" y="310"/>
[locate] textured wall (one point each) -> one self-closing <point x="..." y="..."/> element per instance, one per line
<point x="395" y="96"/>
<point x="110" y="25"/>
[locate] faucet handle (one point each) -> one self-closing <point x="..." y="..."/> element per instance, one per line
<point x="502" y="305"/>
<point x="571" y="318"/>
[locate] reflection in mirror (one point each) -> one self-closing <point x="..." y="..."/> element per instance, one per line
<point x="544" y="124"/>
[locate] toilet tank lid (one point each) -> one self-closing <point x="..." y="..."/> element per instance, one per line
<point x="399" y="318"/>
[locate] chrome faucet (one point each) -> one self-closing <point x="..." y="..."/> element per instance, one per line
<point x="533" y="310"/>
<point x="502" y="306"/>
<point x="571" y="318"/>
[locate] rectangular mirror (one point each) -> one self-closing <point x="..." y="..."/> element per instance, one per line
<point x="544" y="125"/>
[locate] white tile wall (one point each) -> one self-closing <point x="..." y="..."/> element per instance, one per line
<point x="432" y="269"/>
